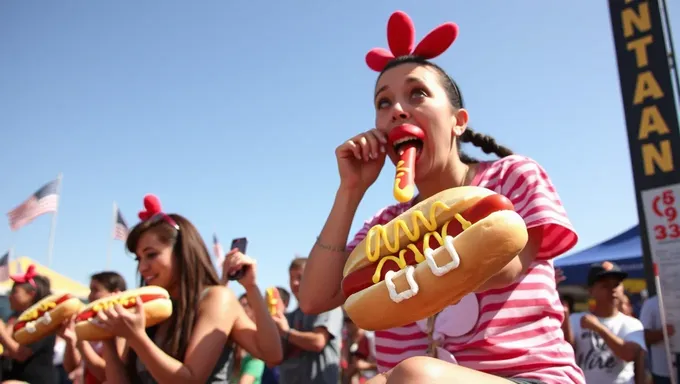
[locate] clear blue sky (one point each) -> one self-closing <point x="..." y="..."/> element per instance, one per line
<point x="230" y="112"/>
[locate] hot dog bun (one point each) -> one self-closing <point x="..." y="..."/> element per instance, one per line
<point x="157" y="308"/>
<point x="483" y="248"/>
<point x="458" y="199"/>
<point x="45" y="317"/>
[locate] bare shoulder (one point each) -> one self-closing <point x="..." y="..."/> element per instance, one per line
<point x="217" y="294"/>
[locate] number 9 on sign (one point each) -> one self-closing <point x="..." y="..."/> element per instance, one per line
<point x="667" y="232"/>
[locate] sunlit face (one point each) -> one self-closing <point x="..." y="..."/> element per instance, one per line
<point x="607" y="290"/>
<point x="246" y="307"/>
<point x="625" y="305"/>
<point x="156" y="262"/>
<point x="20" y="298"/>
<point x="98" y="291"/>
<point x="295" y="276"/>
<point x="412" y="94"/>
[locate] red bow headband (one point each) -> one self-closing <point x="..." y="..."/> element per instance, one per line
<point x="152" y="211"/>
<point x="27" y="277"/>
<point x="401" y="39"/>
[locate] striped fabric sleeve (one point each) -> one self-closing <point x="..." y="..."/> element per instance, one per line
<point x="529" y="188"/>
<point x="381" y="217"/>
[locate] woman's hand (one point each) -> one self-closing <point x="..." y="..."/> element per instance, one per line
<point x="361" y="158"/>
<point x="68" y="331"/>
<point x="121" y="322"/>
<point x="559" y="275"/>
<point x="235" y="261"/>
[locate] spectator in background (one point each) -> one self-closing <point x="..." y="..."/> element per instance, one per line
<point x="271" y="374"/>
<point x="311" y="343"/>
<point x="650" y="316"/>
<point x="607" y="342"/>
<point x="85" y="354"/>
<point x="32" y="363"/>
<point x="358" y="353"/>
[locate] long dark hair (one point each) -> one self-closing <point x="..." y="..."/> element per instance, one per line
<point x="484" y="142"/>
<point x="195" y="273"/>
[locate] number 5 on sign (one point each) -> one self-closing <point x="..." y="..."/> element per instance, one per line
<point x="663" y="205"/>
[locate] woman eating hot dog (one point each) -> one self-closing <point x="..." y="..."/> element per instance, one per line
<point x="31" y="363"/>
<point x="195" y="345"/>
<point x="508" y="330"/>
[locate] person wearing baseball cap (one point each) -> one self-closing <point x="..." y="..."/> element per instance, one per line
<point x="607" y="342"/>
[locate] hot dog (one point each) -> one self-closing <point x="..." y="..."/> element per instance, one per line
<point x="274" y="302"/>
<point x="157" y="308"/>
<point x="407" y="141"/>
<point x="45" y="317"/>
<point x="430" y="256"/>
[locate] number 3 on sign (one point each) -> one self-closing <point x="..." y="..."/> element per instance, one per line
<point x="669" y="232"/>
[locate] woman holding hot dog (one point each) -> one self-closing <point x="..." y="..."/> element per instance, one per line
<point x="515" y="333"/>
<point x="31" y="363"/>
<point x="195" y="345"/>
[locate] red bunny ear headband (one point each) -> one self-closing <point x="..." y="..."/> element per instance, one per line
<point x="153" y="212"/>
<point x="28" y="277"/>
<point x="401" y="39"/>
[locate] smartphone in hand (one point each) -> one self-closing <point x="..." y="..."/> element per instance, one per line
<point x="239" y="243"/>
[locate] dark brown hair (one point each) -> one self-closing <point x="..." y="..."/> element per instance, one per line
<point x="111" y="281"/>
<point x="484" y="142"/>
<point x="297" y="263"/>
<point x="195" y="273"/>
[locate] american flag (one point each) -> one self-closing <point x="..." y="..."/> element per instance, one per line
<point x="44" y="200"/>
<point x="120" y="227"/>
<point x="217" y="250"/>
<point x="4" y="267"/>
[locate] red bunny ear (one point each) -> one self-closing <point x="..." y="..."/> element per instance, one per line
<point x="401" y="37"/>
<point x="401" y="34"/>
<point x="377" y="58"/>
<point x="152" y="206"/>
<point x="437" y="41"/>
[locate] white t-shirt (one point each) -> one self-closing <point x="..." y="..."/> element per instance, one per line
<point x="650" y="316"/>
<point x="598" y="362"/>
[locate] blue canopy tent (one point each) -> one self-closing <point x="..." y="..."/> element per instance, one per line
<point x="625" y="250"/>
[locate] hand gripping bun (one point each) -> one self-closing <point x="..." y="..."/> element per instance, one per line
<point x="157" y="308"/>
<point x="45" y="317"/>
<point x="430" y="256"/>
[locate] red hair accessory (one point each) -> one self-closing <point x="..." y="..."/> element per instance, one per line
<point x="152" y="211"/>
<point x="27" y="277"/>
<point x="401" y="39"/>
<point x="152" y="206"/>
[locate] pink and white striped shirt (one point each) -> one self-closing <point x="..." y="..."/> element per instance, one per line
<point x="518" y="332"/>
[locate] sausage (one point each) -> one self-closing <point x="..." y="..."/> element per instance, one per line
<point x="90" y="313"/>
<point x="361" y="279"/>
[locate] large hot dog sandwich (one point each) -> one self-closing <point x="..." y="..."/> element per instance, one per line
<point x="430" y="256"/>
<point x="45" y="317"/>
<point x="156" y="302"/>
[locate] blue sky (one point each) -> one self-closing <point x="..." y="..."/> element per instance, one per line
<point x="230" y="112"/>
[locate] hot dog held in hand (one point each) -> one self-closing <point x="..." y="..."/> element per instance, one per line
<point x="156" y="303"/>
<point x="45" y="317"/>
<point x="430" y="256"/>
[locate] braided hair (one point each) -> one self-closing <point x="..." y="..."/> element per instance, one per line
<point x="484" y="142"/>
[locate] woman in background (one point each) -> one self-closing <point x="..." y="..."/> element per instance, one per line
<point x="32" y="363"/>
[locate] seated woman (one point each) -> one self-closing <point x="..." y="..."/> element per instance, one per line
<point x="32" y="363"/>
<point x="195" y="345"/>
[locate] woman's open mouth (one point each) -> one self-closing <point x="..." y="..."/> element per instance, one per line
<point x="406" y="137"/>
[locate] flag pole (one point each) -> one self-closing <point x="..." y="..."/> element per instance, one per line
<point x="53" y="228"/>
<point x="110" y="242"/>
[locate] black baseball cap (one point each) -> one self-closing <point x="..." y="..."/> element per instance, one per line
<point x="606" y="269"/>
